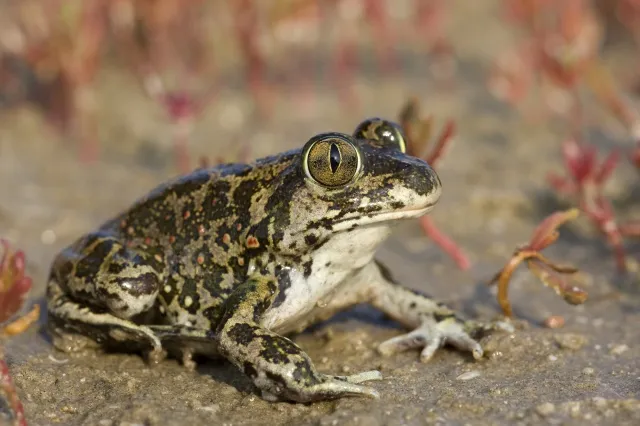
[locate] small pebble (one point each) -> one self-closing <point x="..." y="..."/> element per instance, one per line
<point x="573" y="407"/>
<point x="618" y="349"/>
<point x="599" y="402"/>
<point x="570" y="341"/>
<point x="553" y="358"/>
<point x="545" y="409"/>
<point x="468" y="375"/>
<point x="48" y="237"/>
<point x="554" y="321"/>
<point x="588" y="371"/>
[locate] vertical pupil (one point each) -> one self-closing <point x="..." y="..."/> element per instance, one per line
<point x="334" y="157"/>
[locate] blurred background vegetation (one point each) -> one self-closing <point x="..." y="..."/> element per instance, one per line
<point x="63" y="59"/>
<point x="168" y="86"/>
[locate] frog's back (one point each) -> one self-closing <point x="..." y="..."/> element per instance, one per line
<point x="179" y="210"/>
<point x="207" y="203"/>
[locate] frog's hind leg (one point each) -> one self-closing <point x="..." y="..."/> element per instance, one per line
<point x="99" y="288"/>
<point x="75" y="327"/>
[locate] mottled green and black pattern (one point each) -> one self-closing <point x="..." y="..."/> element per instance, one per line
<point x="226" y="259"/>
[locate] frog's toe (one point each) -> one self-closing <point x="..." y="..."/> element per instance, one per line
<point x="187" y="359"/>
<point x="365" y="376"/>
<point x="341" y="386"/>
<point x="431" y="336"/>
<point x="478" y="327"/>
<point x="332" y="388"/>
<point x="156" y="355"/>
<point x="326" y="388"/>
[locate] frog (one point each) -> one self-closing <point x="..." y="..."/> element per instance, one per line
<point x="229" y="261"/>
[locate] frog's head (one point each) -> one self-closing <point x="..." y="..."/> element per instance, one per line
<point x="356" y="186"/>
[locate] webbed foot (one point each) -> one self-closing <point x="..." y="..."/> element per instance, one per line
<point x="432" y="335"/>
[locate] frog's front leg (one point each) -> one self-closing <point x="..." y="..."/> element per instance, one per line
<point x="433" y="323"/>
<point x="277" y="366"/>
<point x="96" y="288"/>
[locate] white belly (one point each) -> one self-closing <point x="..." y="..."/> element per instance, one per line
<point x="333" y="264"/>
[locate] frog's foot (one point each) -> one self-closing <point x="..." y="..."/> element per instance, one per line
<point x="432" y="335"/>
<point x="328" y="387"/>
<point x="72" y="342"/>
<point x="184" y="342"/>
<point x="436" y="324"/>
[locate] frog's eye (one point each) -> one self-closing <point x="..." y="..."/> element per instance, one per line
<point x="332" y="159"/>
<point x="385" y="132"/>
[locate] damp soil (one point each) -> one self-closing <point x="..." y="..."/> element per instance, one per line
<point x="587" y="372"/>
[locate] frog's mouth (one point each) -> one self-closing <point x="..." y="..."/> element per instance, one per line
<point x="376" y="218"/>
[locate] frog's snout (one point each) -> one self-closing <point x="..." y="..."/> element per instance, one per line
<point x="422" y="179"/>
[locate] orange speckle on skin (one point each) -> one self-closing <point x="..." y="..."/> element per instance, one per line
<point x="172" y="239"/>
<point x="187" y="214"/>
<point x="226" y="238"/>
<point x="201" y="230"/>
<point x="252" y="242"/>
<point x="200" y="259"/>
<point x="147" y="240"/>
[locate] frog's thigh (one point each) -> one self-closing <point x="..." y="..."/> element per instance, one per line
<point x="277" y="366"/>
<point x="75" y="326"/>
<point x="123" y="280"/>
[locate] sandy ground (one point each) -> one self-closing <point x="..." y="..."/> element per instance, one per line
<point x="587" y="372"/>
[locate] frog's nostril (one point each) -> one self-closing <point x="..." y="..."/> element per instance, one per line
<point x="424" y="181"/>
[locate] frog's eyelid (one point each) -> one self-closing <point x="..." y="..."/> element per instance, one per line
<point x="377" y="128"/>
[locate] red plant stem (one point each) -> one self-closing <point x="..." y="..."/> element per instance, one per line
<point x="602" y="216"/>
<point x="84" y="124"/>
<point x="343" y="70"/>
<point x="504" y="277"/>
<point x="614" y="236"/>
<point x="445" y="243"/>
<point x="246" y="20"/>
<point x="635" y="155"/>
<point x="602" y="83"/>
<point x="9" y="389"/>
<point x="631" y="229"/>
<point x="181" y="132"/>
<point x="384" y="38"/>
<point x="442" y="143"/>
